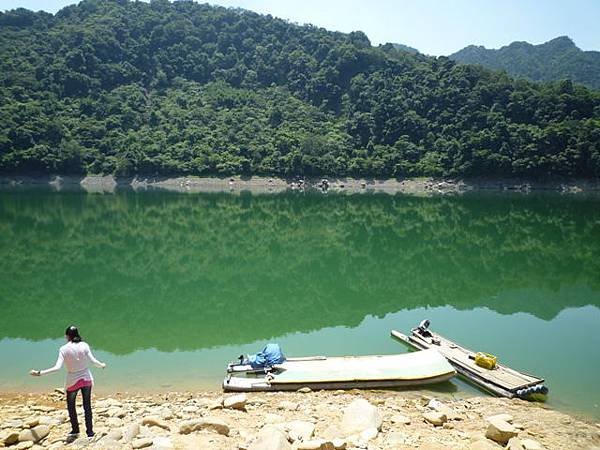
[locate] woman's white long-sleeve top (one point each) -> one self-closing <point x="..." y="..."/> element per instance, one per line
<point x="76" y="357"/>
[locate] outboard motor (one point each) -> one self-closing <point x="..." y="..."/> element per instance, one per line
<point x="424" y="324"/>
<point x="422" y="329"/>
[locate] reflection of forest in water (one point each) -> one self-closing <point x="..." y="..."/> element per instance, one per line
<point x="176" y="271"/>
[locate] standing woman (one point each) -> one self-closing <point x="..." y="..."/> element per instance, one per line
<point x="76" y="355"/>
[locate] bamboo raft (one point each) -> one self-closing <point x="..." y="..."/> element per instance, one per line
<point x="345" y="372"/>
<point x="501" y="380"/>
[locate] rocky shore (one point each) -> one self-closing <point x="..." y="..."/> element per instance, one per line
<point x="325" y="420"/>
<point x="265" y="185"/>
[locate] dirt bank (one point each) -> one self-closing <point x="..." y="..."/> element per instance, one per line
<point x="236" y="184"/>
<point x="299" y="420"/>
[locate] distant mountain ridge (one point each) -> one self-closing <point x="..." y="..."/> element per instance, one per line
<point x="405" y="48"/>
<point x="556" y="59"/>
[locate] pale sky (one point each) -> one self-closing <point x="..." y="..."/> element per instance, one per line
<point x="435" y="27"/>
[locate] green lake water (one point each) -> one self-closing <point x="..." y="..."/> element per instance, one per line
<point x="167" y="288"/>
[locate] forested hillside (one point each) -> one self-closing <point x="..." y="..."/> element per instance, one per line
<point x="554" y="60"/>
<point x="113" y="86"/>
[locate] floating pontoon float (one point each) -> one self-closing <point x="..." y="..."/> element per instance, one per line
<point x="345" y="372"/>
<point x="498" y="380"/>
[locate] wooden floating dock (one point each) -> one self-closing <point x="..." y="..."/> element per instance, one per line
<point x="344" y="372"/>
<point x="501" y="380"/>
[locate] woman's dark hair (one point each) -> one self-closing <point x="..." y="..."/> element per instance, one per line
<point x="73" y="334"/>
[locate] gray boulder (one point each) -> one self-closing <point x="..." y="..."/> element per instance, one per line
<point x="435" y="418"/>
<point x="152" y="421"/>
<point x="141" y="443"/>
<point x="115" y="435"/>
<point x="400" y="419"/>
<point x="131" y="432"/>
<point x="359" y="416"/>
<point x="34" y="434"/>
<point x="270" y="438"/>
<point x="300" y="430"/>
<point x="235" y="402"/>
<point x="162" y="443"/>
<point x="500" y="431"/>
<point x="9" y="437"/>
<point x="206" y="423"/>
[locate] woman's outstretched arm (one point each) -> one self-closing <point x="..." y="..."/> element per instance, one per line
<point x="56" y="367"/>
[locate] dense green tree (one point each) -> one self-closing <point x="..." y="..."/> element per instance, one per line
<point x="116" y="86"/>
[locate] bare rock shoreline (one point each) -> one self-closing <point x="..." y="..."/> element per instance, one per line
<point x="265" y="185"/>
<point x="327" y="420"/>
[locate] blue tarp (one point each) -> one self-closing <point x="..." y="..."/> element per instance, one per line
<point x="269" y="356"/>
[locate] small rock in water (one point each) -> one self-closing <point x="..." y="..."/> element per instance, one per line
<point x="305" y="390"/>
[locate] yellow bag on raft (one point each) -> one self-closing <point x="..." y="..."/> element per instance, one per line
<point x="485" y="360"/>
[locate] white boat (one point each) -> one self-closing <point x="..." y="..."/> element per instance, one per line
<point x="344" y="372"/>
